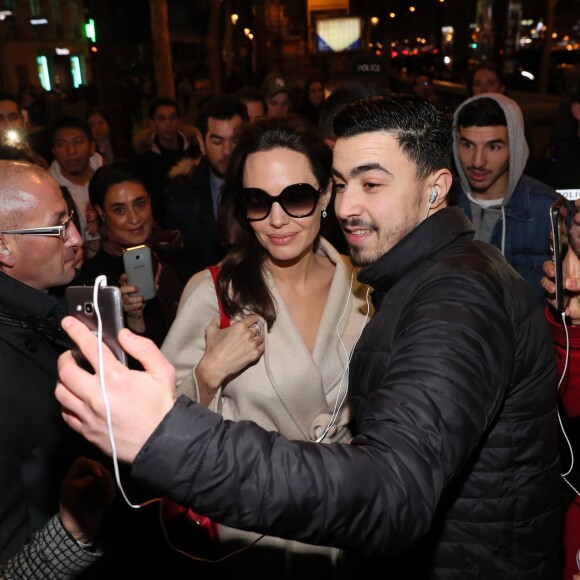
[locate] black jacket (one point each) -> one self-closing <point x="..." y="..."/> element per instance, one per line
<point x="190" y="209"/>
<point x="156" y="165"/>
<point x="453" y="472"/>
<point x="36" y="446"/>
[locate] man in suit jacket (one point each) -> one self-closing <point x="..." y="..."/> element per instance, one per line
<point x="193" y="193"/>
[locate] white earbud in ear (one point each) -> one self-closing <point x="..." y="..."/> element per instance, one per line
<point x="433" y="196"/>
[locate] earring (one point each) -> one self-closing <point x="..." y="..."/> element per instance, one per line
<point x="324" y="214"/>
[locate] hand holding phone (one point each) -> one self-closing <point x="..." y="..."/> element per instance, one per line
<point x="80" y="304"/>
<point x="133" y="306"/>
<point x="566" y="263"/>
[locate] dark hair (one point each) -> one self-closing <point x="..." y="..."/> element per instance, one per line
<point x="422" y="73"/>
<point x="222" y="108"/>
<point x="251" y="94"/>
<point x="101" y="112"/>
<point x="481" y="112"/>
<point x="70" y="122"/>
<point x="111" y="174"/>
<point x="341" y="96"/>
<point x="487" y="66"/>
<point x="241" y="281"/>
<point x="5" y="96"/>
<point x="422" y="132"/>
<point x="306" y="88"/>
<point x="161" y="102"/>
<point x="120" y="148"/>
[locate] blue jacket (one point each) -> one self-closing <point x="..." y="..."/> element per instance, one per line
<point x="527" y="240"/>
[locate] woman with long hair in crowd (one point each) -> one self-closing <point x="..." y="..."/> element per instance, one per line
<point x="295" y="311"/>
<point x="106" y="140"/>
<point x="311" y="100"/>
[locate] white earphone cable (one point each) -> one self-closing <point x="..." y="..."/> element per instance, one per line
<point x="564" y="475"/>
<point x="102" y="281"/>
<point x="340" y="400"/>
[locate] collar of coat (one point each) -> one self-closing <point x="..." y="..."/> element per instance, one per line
<point x="25" y="307"/>
<point x="428" y="238"/>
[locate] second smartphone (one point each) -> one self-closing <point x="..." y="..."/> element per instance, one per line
<point x="139" y="270"/>
<point x="559" y="247"/>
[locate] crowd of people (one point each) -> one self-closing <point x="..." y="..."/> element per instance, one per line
<point x="351" y="361"/>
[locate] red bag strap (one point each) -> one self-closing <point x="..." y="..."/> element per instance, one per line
<point x="224" y="320"/>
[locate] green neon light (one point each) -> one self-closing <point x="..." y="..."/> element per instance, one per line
<point x="90" y="30"/>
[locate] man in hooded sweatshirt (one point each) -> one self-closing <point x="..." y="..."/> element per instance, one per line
<point x="508" y="209"/>
<point x="75" y="161"/>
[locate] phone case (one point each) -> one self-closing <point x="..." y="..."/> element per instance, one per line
<point x="79" y="300"/>
<point x="558" y="218"/>
<point x="139" y="270"/>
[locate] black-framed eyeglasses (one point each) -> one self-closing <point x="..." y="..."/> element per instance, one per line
<point x="62" y="230"/>
<point x="297" y="200"/>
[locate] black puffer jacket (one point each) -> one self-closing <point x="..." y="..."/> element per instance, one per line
<point x="454" y="471"/>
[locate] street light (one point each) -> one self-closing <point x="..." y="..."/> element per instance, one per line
<point x="374" y="20"/>
<point x="234" y="18"/>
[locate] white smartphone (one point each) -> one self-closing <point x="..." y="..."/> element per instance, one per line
<point x="139" y="270"/>
<point x="80" y="304"/>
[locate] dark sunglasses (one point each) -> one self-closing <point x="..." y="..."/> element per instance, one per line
<point x="297" y="200"/>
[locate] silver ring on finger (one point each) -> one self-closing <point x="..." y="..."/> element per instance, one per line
<point x="257" y="328"/>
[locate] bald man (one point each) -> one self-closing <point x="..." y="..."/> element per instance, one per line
<point x="38" y="242"/>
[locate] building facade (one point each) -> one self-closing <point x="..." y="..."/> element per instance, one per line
<point x="43" y="43"/>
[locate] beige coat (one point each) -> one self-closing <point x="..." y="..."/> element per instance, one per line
<point x="290" y="389"/>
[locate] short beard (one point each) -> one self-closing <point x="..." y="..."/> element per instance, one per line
<point x="478" y="190"/>
<point x="215" y="170"/>
<point x="359" y="258"/>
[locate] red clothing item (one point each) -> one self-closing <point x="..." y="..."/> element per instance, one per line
<point x="570" y="387"/>
<point x="570" y="397"/>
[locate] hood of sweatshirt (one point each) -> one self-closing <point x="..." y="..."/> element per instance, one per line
<point x="95" y="161"/>
<point x="518" y="146"/>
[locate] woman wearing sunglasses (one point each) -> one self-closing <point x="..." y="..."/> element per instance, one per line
<point x="296" y="311"/>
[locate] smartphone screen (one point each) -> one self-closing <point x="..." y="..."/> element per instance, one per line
<point x="80" y="304"/>
<point x="559" y="248"/>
